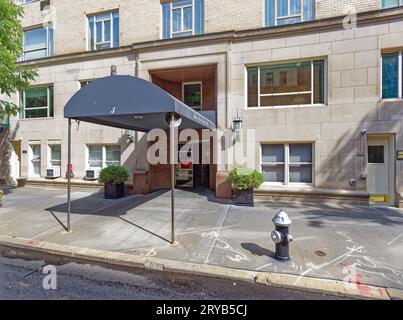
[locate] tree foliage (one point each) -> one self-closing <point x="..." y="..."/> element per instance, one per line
<point x="13" y="76"/>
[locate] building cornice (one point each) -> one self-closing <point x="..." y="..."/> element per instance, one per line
<point x="365" y="18"/>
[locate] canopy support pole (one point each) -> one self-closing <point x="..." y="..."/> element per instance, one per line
<point x="69" y="176"/>
<point x="172" y="160"/>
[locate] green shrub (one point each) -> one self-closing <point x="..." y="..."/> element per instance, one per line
<point x="244" y="178"/>
<point x="113" y="174"/>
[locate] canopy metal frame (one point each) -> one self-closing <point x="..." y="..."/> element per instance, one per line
<point x="123" y="102"/>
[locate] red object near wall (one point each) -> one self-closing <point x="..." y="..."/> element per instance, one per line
<point x="70" y="170"/>
<point x="186" y="165"/>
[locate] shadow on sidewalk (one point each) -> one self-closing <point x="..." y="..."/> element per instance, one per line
<point x="97" y="205"/>
<point x="257" y="250"/>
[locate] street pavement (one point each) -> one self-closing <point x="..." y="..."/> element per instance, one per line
<point x="356" y="244"/>
<point x="21" y="279"/>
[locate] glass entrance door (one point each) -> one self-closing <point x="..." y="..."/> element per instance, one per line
<point x="35" y="160"/>
<point x="184" y="169"/>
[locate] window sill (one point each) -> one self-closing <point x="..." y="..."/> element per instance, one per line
<point x="42" y="118"/>
<point x="309" y="189"/>
<point x="391" y="100"/>
<point x="36" y="59"/>
<point x="101" y="50"/>
<point x="266" y="186"/>
<point x="288" y="107"/>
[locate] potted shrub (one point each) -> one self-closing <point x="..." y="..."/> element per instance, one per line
<point x="113" y="178"/>
<point x="244" y="181"/>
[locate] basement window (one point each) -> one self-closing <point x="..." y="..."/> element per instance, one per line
<point x="101" y="156"/>
<point x="287" y="164"/>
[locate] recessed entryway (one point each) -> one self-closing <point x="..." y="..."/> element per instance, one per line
<point x="16" y="158"/>
<point x="380" y="169"/>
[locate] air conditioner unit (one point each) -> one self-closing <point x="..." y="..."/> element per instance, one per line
<point x="53" y="172"/>
<point x="92" y="174"/>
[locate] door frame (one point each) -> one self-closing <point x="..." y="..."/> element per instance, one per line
<point x="391" y="164"/>
<point x="31" y="157"/>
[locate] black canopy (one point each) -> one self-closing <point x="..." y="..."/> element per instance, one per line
<point x="131" y="103"/>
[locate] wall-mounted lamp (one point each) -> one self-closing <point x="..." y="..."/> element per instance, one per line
<point x="114" y="70"/>
<point x="237" y="126"/>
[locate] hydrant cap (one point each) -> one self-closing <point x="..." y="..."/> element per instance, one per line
<point x="281" y="219"/>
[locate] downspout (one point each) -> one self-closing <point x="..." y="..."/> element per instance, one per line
<point x="228" y="97"/>
<point x="136" y="64"/>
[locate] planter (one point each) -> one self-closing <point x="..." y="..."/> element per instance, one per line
<point x="114" y="190"/>
<point x="244" y="197"/>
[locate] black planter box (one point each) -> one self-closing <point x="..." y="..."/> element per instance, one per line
<point x="114" y="191"/>
<point x="244" y="197"/>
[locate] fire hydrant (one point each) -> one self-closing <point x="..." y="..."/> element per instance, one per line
<point x="281" y="236"/>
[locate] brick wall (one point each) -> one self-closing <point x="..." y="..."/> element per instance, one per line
<point x="233" y="15"/>
<point x="140" y="20"/>
<point x="331" y="8"/>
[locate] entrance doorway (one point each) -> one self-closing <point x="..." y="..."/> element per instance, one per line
<point x="194" y="174"/>
<point x="35" y="160"/>
<point x="380" y="170"/>
<point x="16" y="159"/>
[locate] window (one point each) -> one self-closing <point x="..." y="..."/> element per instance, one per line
<point x="300" y="83"/>
<point x="83" y="83"/>
<point x="38" y="43"/>
<point x="112" y="155"/>
<point x="37" y="102"/>
<point x="103" y="156"/>
<point x="103" y="31"/>
<point x="281" y="12"/>
<point x="391" y="3"/>
<point x="376" y="154"/>
<point x="392" y="75"/>
<point x="192" y="95"/>
<point x="287" y="163"/>
<point x="95" y="156"/>
<point x="24" y="1"/>
<point x="181" y="18"/>
<point x="55" y="155"/>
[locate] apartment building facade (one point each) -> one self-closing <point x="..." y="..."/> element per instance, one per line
<point x="319" y="82"/>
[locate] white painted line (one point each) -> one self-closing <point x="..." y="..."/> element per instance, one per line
<point x="266" y="265"/>
<point x="393" y="240"/>
<point x="305" y="238"/>
<point x="217" y="232"/>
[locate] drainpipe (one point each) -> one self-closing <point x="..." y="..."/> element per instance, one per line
<point x="228" y="97"/>
<point x="136" y="64"/>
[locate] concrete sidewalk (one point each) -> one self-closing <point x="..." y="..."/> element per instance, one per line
<point x="348" y="243"/>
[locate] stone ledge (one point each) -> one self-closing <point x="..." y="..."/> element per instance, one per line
<point x="314" y="195"/>
<point x="62" y="183"/>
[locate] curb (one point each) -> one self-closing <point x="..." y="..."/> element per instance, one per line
<point x="317" y="285"/>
